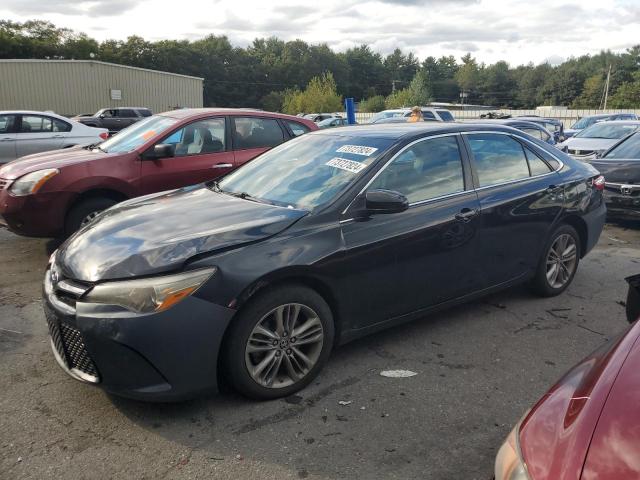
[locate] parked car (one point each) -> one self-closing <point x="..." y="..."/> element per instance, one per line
<point x="333" y="122"/>
<point x="553" y="125"/>
<point x="324" y="239"/>
<point x="589" y="120"/>
<point x="24" y="132"/>
<point x="598" y="138"/>
<point x="318" y="117"/>
<point x="587" y="426"/>
<point x="439" y="114"/>
<point x="114" y="119"/>
<point x="53" y="194"/>
<point x="621" y="167"/>
<point x="534" y="129"/>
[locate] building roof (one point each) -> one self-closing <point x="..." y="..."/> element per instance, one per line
<point x="32" y="60"/>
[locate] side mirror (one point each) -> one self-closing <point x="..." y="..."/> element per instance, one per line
<point x="101" y="115"/>
<point x="163" y="150"/>
<point x="385" y="201"/>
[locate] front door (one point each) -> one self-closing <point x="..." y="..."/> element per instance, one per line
<point x="7" y="138"/>
<point x="200" y="154"/>
<point x="425" y="255"/>
<point x="38" y="133"/>
<point x="519" y="201"/>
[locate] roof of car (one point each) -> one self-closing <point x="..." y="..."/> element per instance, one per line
<point x="191" y="112"/>
<point x="406" y="130"/>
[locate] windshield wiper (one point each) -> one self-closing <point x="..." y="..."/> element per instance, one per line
<point x="215" y="186"/>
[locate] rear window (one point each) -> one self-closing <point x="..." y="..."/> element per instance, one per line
<point x="127" y="113"/>
<point x="143" y="112"/>
<point x="253" y="132"/>
<point x="445" y="115"/>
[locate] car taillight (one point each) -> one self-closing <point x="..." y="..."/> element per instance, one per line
<point x="598" y="182"/>
<point x="104" y="135"/>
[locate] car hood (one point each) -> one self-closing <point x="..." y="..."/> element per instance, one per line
<point x="619" y="171"/>
<point x="555" y="435"/>
<point x="589" y="143"/>
<point x="614" y="452"/>
<point x="159" y="232"/>
<point x="52" y="159"/>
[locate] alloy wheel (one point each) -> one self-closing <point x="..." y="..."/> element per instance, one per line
<point x="284" y="346"/>
<point x="89" y="218"/>
<point x="561" y="260"/>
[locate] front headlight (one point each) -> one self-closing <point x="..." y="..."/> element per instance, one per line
<point x="32" y="182"/>
<point x="509" y="462"/>
<point x="149" y="295"/>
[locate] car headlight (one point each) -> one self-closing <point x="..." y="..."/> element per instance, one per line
<point x="149" y="295"/>
<point x="509" y="462"/>
<point x="32" y="182"/>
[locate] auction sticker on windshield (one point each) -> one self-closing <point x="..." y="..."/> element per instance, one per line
<point x="357" y="150"/>
<point x="348" y="165"/>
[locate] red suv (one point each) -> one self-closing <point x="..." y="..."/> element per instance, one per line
<point x="54" y="193"/>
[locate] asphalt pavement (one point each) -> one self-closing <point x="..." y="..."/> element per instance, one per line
<point x="479" y="367"/>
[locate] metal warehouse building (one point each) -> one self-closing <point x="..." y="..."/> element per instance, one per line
<point x="71" y="87"/>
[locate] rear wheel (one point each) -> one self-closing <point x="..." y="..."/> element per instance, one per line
<point x="84" y="212"/>
<point x="279" y="342"/>
<point x="559" y="262"/>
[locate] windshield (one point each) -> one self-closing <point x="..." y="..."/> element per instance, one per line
<point x="306" y="172"/>
<point x="137" y="134"/>
<point x="607" y="130"/>
<point x="585" y="122"/>
<point x="628" y="148"/>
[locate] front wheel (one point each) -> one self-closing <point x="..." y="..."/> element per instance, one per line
<point x="279" y="342"/>
<point x="84" y="212"/>
<point x="559" y="262"/>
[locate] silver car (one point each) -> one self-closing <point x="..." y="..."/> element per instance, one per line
<point x="598" y="138"/>
<point x="26" y="132"/>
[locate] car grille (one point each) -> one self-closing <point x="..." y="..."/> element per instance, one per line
<point x="70" y="346"/>
<point x="623" y="189"/>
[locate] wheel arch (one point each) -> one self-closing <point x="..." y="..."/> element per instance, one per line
<point x="581" y="227"/>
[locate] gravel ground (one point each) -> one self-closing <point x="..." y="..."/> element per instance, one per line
<point x="480" y="366"/>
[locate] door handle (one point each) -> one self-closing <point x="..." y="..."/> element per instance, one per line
<point x="222" y="165"/>
<point x="466" y="214"/>
<point x="552" y="189"/>
<point x="57" y="136"/>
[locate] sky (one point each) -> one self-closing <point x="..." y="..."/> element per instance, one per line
<point x="518" y="31"/>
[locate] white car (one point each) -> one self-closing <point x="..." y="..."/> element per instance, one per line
<point x="26" y="132"/>
<point x="428" y="113"/>
<point x="598" y="138"/>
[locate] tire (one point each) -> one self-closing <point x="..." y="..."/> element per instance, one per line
<point x="279" y="351"/>
<point x="79" y="213"/>
<point x="549" y="282"/>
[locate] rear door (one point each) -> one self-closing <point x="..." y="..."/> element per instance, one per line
<point x="111" y="120"/>
<point x="7" y="137"/>
<point x="255" y="135"/>
<point x="201" y="154"/>
<point x="520" y="198"/>
<point x="37" y="133"/>
<point x="127" y="116"/>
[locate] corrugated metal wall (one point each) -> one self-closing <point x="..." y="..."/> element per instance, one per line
<point x="72" y="87"/>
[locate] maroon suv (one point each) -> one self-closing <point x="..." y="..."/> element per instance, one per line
<point x="54" y="193"/>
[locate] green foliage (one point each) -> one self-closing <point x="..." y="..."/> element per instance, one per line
<point x="373" y="104"/>
<point x="269" y="70"/>
<point x="320" y="96"/>
<point x="627" y="95"/>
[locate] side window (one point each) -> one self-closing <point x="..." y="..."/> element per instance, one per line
<point x="60" y="126"/>
<point x="537" y="166"/>
<point x="36" y="124"/>
<point x="428" y="114"/>
<point x="127" y="113"/>
<point x="143" y="112"/>
<point x="297" y="128"/>
<point x="534" y="132"/>
<point x="498" y="158"/>
<point x="6" y="123"/>
<point x="430" y="168"/>
<point x="256" y="133"/>
<point x="198" y="138"/>
<point x="110" y="113"/>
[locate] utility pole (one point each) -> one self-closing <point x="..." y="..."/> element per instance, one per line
<point x="606" y="88"/>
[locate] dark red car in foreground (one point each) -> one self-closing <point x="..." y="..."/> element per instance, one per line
<point x="54" y="193"/>
<point x="588" y="425"/>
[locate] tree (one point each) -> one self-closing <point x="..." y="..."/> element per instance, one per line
<point x="592" y="93"/>
<point x="468" y="74"/>
<point x="319" y="96"/>
<point x="373" y="104"/>
<point x="627" y="95"/>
